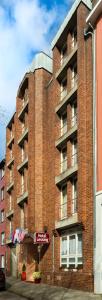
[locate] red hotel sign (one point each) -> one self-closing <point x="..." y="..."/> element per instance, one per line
<point x="41" y="238"/>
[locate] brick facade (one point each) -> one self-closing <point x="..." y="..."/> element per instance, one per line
<point x="2" y="214"/>
<point x="37" y="150"/>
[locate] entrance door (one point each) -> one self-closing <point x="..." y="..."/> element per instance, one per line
<point x="13" y="262"/>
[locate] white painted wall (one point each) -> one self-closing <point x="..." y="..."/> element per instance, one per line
<point x="98" y="249"/>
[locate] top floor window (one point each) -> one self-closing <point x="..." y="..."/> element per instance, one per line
<point x="74" y="38"/>
<point x="2" y="172"/>
<point x="25" y="97"/>
<point x="63" y="53"/>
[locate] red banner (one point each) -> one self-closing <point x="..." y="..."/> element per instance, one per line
<point x="41" y="238"/>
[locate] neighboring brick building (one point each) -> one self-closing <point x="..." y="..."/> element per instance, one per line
<point x="49" y="160"/>
<point x="2" y="215"/>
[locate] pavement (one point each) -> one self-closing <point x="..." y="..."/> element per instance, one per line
<point x="41" y="291"/>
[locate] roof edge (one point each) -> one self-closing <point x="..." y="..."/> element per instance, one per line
<point x="95" y="13"/>
<point x="88" y="3"/>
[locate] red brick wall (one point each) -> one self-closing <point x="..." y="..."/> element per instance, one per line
<point x="2" y="224"/>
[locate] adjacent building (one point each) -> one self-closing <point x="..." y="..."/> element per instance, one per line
<point x="49" y="160"/>
<point x="2" y="215"/>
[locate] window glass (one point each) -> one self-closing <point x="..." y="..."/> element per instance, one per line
<point x="2" y="261"/>
<point x="64" y="246"/>
<point x="79" y="244"/>
<point x="72" y="244"/>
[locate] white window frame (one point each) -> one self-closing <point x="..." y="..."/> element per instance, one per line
<point x="75" y="255"/>
<point x="2" y="238"/>
<point x="2" y="261"/>
<point x="74" y="114"/>
<point x="22" y="153"/>
<point x="2" y="215"/>
<point x="74" y="76"/>
<point x="63" y="208"/>
<point x="74" y="196"/>
<point x="74" y="153"/>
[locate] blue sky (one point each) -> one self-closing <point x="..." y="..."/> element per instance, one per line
<point x="26" y="27"/>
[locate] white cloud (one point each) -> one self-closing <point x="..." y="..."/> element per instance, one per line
<point x="23" y="29"/>
<point x="26" y="26"/>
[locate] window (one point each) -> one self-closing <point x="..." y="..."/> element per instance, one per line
<point x="64" y="123"/>
<point x="2" y="261"/>
<point x="11" y="174"/>
<point x="23" y="125"/>
<point x="74" y="76"/>
<point x="64" y="159"/>
<point x="64" y="54"/>
<point x="25" y="98"/>
<point x="10" y="201"/>
<point x="74" y="196"/>
<point x="74" y="38"/>
<point x="74" y="114"/>
<point x="2" y="238"/>
<point x="63" y="88"/>
<point x="63" y="212"/>
<point x="22" y="183"/>
<point x="2" y="193"/>
<point x="10" y="226"/>
<point x="22" y="217"/>
<point x="71" y="250"/>
<point x="74" y="153"/>
<point x="11" y="153"/>
<point x="2" y="215"/>
<point x="22" y="153"/>
<point x="2" y="172"/>
<point x="11" y="133"/>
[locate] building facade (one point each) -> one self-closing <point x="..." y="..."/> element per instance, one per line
<point x="2" y="215"/>
<point x="95" y="21"/>
<point x="49" y="161"/>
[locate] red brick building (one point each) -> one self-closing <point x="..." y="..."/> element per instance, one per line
<point x="49" y="160"/>
<point x="2" y="215"/>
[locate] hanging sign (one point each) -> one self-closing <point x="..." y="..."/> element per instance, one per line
<point x="41" y="238"/>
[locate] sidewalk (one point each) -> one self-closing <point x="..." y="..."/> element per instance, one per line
<point x="46" y="292"/>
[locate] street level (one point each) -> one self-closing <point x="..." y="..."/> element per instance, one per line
<point x="10" y="296"/>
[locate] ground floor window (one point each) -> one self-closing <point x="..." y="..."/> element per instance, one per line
<point x="2" y="261"/>
<point x="71" y="250"/>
